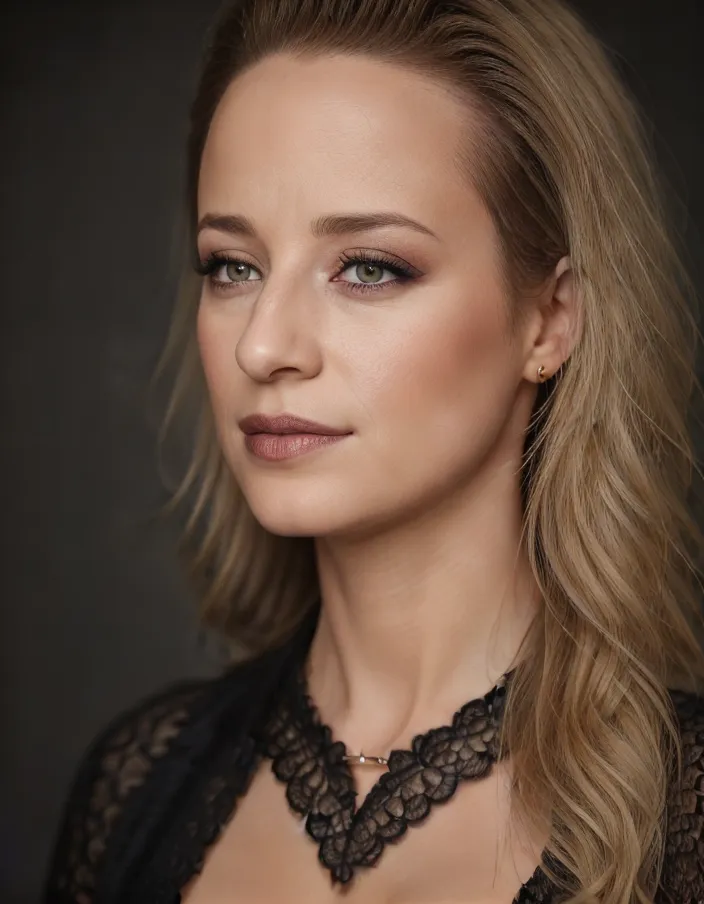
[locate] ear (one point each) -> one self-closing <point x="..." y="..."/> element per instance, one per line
<point x="557" y="324"/>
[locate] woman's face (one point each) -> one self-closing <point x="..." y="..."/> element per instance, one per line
<point x="397" y="333"/>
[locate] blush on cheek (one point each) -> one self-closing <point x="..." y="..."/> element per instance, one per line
<point x="215" y="377"/>
<point x="202" y="331"/>
<point x="451" y="362"/>
<point x="210" y="347"/>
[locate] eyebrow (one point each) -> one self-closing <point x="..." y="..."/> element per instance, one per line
<point x="328" y="225"/>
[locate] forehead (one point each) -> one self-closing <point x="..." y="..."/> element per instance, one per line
<point x="335" y="130"/>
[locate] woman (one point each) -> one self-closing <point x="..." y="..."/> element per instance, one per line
<point x="432" y="229"/>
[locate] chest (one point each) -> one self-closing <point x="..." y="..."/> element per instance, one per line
<point x="467" y="851"/>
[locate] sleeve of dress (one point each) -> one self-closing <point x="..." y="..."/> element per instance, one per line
<point x="116" y="763"/>
<point x="682" y="879"/>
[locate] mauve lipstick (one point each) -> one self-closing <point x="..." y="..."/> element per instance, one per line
<point x="282" y="436"/>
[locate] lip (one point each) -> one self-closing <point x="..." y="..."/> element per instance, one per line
<point x="284" y="424"/>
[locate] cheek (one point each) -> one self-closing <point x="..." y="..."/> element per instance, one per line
<point x="443" y="393"/>
<point x="217" y="354"/>
<point x="446" y="369"/>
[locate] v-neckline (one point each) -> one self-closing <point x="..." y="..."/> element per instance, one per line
<point x="321" y="788"/>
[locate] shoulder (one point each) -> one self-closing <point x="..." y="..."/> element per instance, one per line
<point x="136" y="765"/>
<point x="118" y="761"/>
<point x="683" y="866"/>
<point x="120" y="799"/>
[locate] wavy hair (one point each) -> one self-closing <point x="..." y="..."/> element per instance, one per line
<point x="558" y="151"/>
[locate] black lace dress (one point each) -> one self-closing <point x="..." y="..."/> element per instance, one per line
<point x="157" y="786"/>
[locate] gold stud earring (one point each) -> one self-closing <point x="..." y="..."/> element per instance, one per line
<point x="541" y="374"/>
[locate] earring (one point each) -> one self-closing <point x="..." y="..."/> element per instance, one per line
<point x="541" y="374"/>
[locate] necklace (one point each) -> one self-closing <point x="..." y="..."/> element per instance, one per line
<point x="364" y="760"/>
<point x="320" y="786"/>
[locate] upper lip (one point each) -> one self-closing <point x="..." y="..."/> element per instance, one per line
<point x="285" y="423"/>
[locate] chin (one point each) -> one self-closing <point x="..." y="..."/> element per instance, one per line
<point x="288" y="511"/>
<point x="322" y="514"/>
<point x="288" y="525"/>
<point x="303" y="524"/>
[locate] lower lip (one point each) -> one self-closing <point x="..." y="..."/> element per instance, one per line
<point x="277" y="446"/>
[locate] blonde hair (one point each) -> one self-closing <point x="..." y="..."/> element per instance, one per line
<point x="558" y="152"/>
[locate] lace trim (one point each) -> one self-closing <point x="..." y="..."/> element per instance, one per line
<point x="320" y="785"/>
<point x="683" y="867"/>
<point x="118" y="762"/>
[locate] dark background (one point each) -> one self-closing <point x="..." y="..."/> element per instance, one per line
<point x="95" y="613"/>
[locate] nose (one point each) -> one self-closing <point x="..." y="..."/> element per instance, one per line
<point x="280" y="337"/>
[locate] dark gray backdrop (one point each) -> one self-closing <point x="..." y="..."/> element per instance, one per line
<point x="94" y="610"/>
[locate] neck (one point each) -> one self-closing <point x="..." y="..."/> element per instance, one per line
<point x="420" y="619"/>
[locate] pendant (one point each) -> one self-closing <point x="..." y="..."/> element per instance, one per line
<point x="363" y="760"/>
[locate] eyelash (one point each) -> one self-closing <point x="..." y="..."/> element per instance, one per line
<point x="403" y="273"/>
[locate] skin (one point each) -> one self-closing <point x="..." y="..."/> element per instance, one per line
<point x="416" y="516"/>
